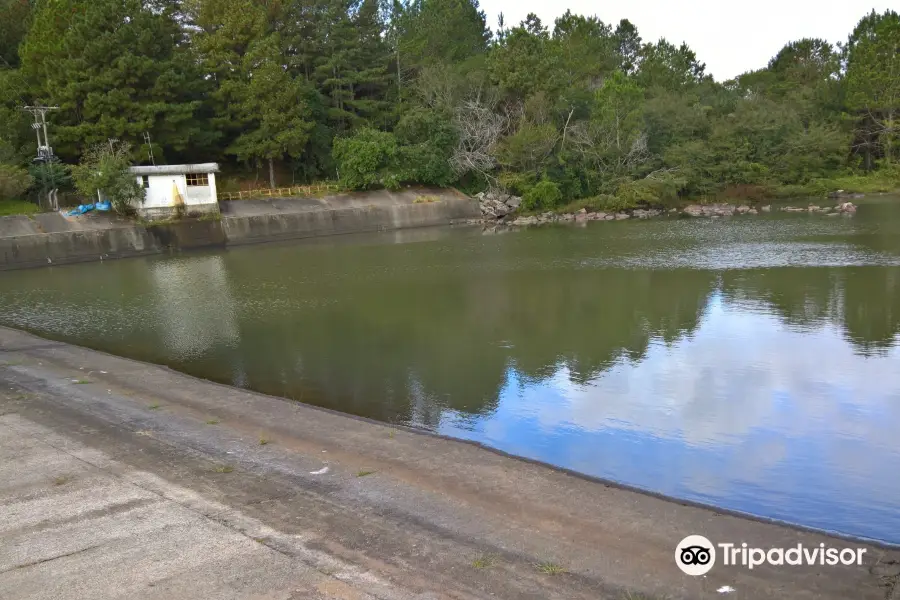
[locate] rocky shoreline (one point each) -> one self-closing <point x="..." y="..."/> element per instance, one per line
<point x="502" y="210"/>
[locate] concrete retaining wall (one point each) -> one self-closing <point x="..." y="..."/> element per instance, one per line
<point x="331" y="221"/>
<point x="28" y="242"/>
<point x="44" y="249"/>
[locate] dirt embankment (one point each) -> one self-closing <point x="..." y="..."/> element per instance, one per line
<point x="119" y="478"/>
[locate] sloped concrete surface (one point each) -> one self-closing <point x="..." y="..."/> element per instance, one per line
<point x="120" y="479"/>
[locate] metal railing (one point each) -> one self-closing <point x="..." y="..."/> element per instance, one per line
<point x="298" y="190"/>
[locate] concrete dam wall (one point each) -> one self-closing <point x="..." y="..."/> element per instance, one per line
<point x="48" y="239"/>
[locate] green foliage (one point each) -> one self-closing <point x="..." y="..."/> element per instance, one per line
<point x="270" y="107"/>
<point x="364" y="160"/>
<point x="116" y="68"/>
<point x="426" y="141"/>
<point x="545" y="195"/>
<point x="14" y="181"/>
<point x="418" y="151"/>
<point x="15" y="18"/>
<point x="653" y="190"/>
<point x="517" y="183"/>
<point x="17" y="207"/>
<point x="664" y="66"/>
<point x="386" y="92"/>
<point x="50" y="176"/>
<point x="425" y="26"/>
<point x="873" y="82"/>
<point x="105" y="168"/>
<point x="529" y="148"/>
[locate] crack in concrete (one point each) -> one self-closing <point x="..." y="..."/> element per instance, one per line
<point x="52" y="558"/>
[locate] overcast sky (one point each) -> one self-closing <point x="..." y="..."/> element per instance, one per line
<point x="730" y="36"/>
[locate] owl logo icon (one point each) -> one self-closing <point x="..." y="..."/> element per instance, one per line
<point x="695" y="555"/>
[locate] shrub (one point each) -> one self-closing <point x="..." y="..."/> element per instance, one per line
<point x="517" y="184"/>
<point x="105" y="168"/>
<point x="602" y="202"/>
<point x="49" y="176"/>
<point x="544" y="195"/>
<point x="656" y="188"/>
<point x="426" y="141"/>
<point x="364" y="160"/>
<point x="14" y="181"/>
<point x="419" y="151"/>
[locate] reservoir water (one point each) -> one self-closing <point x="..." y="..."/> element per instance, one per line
<point x="751" y="363"/>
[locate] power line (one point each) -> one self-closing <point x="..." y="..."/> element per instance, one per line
<point x="44" y="150"/>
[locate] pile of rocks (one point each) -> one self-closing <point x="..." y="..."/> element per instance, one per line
<point x="496" y="206"/>
<point x="579" y="217"/>
<point x="721" y="210"/>
<point x="499" y="210"/>
<point x="842" y="208"/>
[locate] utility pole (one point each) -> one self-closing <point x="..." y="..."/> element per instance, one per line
<point x="44" y="150"/>
<point x="149" y="147"/>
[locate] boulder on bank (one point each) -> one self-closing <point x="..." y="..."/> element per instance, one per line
<point x="495" y="205"/>
<point x="709" y="210"/>
<point x="843" y="207"/>
<point x="841" y="194"/>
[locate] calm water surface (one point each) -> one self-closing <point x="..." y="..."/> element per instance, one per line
<point x="749" y="363"/>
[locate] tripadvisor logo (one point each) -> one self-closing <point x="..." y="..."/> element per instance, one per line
<point x="695" y="555"/>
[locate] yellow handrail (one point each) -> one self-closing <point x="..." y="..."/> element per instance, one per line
<point x="301" y="190"/>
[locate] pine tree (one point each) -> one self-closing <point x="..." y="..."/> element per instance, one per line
<point x="272" y="108"/>
<point x="873" y="81"/>
<point x="350" y="67"/>
<point x="116" y="69"/>
<point x="263" y="109"/>
<point x="15" y="17"/>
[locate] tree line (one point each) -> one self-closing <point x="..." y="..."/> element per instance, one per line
<point x="383" y="93"/>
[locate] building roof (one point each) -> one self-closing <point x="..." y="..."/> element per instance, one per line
<point x="175" y="169"/>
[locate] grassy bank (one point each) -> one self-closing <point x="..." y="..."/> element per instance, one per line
<point x="884" y="181"/>
<point x="17" y="207"/>
<point x="879" y="182"/>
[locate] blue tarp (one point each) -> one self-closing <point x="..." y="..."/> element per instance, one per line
<point x="82" y="208"/>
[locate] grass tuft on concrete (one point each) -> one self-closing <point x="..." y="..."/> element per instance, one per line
<point x="264" y="441"/>
<point x="212" y="422"/>
<point x="224" y="469"/>
<point x="485" y="561"/>
<point x="364" y="473"/>
<point x="550" y="568"/>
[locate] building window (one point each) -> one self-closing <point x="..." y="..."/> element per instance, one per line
<point x="197" y="179"/>
<point x="145" y="181"/>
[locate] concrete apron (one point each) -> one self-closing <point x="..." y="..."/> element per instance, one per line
<point x="123" y="479"/>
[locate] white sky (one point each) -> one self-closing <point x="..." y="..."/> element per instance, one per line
<point x="730" y="36"/>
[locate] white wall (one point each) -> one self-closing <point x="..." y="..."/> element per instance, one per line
<point x="159" y="194"/>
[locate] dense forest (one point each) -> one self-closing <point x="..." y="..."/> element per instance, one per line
<point x="383" y="93"/>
